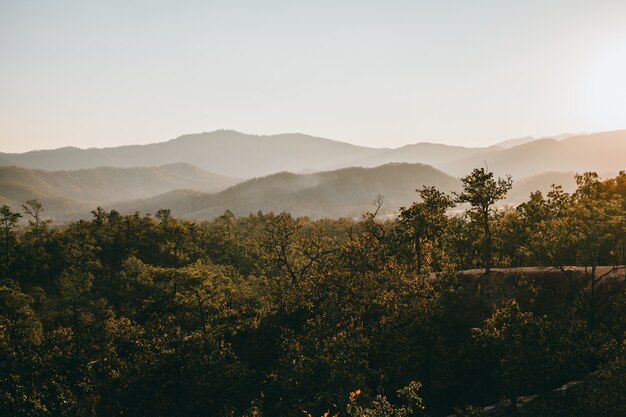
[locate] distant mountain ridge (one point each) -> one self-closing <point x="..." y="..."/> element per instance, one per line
<point x="509" y="143"/>
<point x="600" y="152"/>
<point x="227" y="153"/>
<point x="235" y="154"/>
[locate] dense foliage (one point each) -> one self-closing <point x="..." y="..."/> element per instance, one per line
<point x="279" y="316"/>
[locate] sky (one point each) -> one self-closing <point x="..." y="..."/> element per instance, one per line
<point x="376" y="73"/>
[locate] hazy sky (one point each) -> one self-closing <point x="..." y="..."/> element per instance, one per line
<point x="380" y="73"/>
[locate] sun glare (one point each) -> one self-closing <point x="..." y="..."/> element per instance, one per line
<point x="605" y="90"/>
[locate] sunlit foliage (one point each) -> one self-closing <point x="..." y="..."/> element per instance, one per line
<point x="271" y="315"/>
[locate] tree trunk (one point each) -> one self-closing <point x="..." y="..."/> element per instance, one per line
<point x="487" y="253"/>
<point x="592" y="298"/>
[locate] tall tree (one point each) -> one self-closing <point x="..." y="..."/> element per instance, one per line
<point x="595" y="221"/>
<point x="481" y="190"/>
<point x="34" y="260"/>
<point x="34" y="209"/>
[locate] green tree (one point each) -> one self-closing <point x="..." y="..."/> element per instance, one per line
<point x="595" y="223"/>
<point x="293" y="247"/>
<point x="514" y="338"/>
<point x="35" y="260"/>
<point x="35" y="209"/>
<point x="21" y="335"/>
<point x="8" y="222"/>
<point x="426" y="223"/>
<point x="617" y="188"/>
<point x="482" y="191"/>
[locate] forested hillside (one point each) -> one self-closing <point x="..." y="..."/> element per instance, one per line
<point x="190" y="192"/>
<point x="341" y="193"/>
<point x="344" y="192"/>
<point x="270" y="314"/>
<point x="70" y="194"/>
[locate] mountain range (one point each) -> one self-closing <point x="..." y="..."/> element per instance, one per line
<point x="202" y="175"/>
<point x="600" y="152"/>
<point x="234" y="154"/>
<point x="223" y="152"/>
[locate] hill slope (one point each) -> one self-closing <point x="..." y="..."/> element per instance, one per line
<point x="65" y="192"/>
<point x="344" y="192"/>
<point x="347" y="192"/>
<point x="191" y="192"/>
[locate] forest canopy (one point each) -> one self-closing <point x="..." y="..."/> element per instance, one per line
<point x="432" y="313"/>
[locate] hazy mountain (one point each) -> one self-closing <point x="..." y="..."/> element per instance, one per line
<point x="343" y="192"/>
<point x="434" y="154"/>
<point x="240" y="155"/>
<point x="540" y="182"/>
<point x="520" y="141"/>
<point x="191" y="192"/>
<point x="65" y="192"/>
<point x="509" y="143"/>
<point x="317" y="191"/>
<point x="599" y="152"/>
<point x="224" y="152"/>
<point x="543" y="182"/>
